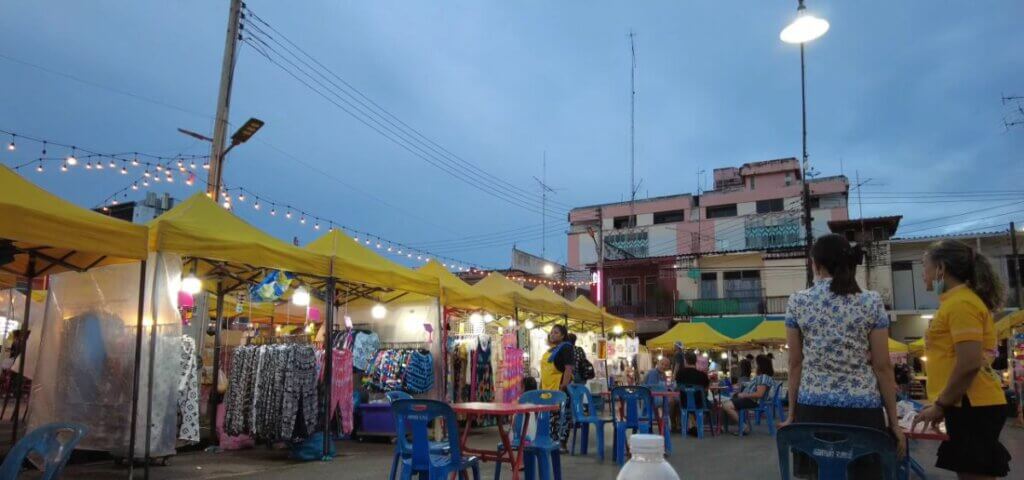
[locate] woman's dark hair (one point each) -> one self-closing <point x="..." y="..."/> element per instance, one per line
<point x="970" y="267"/>
<point x="764" y="365"/>
<point x="571" y="338"/>
<point x="561" y="328"/>
<point x="833" y="253"/>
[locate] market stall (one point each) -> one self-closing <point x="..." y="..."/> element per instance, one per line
<point x="204" y="247"/>
<point x="96" y="268"/>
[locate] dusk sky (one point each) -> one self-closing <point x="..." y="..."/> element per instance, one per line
<point x="906" y="93"/>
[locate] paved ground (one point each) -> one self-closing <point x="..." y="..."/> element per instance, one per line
<point x="724" y="457"/>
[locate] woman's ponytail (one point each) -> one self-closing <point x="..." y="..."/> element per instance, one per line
<point x="833" y="253"/>
<point x="972" y="268"/>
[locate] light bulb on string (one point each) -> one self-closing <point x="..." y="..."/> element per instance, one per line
<point x="399" y="252"/>
<point x="170" y="178"/>
<point x="256" y="205"/>
<point x="356" y="239"/>
<point x="159" y="167"/>
<point x="206" y="165"/>
<point x="367" y="241"/>
<point x="64" y="167"/>
<point x="316" y="226"/>
<point x="390" y="249"/>
<point x="241" y="197"/>
<point x="288" y="214"/>
<point x="227" y="205"/>
<point x="114" y="202"/>
<point x="146" y="173"/>
<point x="145" y="183"/>
<point x="112" y="164"/>
<point x="156" y="178"/>
<point x="99" y="165"/>
<point x="273" y="212"/>
<point x="409" y="255"/>
<point x="135" y="160"/>
<point x="124" y="170"/>
<point x="72" y="159"/>
<point x="181" y="165"/>
<point x="302" y="220"/>
<point x="88" y="165"/>
<point x="135" y="186"/>
<point x="378" y="246"/>
<point x="39" y="168"/>
<point x="10" y="146"/>
<point x="192" y="165"/>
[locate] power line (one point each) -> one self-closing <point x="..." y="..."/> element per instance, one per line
<point x="946" y="217"/>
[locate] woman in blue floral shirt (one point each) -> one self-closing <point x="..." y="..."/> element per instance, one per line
<point x="838" y="335"/>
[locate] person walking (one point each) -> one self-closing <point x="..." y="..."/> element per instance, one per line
<point x="839" y="367"/>
<point x="960" y="343"/>
<point x="556" y="372"/>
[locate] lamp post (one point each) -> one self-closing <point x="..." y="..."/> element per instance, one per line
<point x="805" y="28"/>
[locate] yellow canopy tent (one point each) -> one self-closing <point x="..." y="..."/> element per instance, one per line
<point x="459" y="294"/>
<point x="60" y="235"/>
<point x="358" y="264"/>
<point x="693" y="335"/>
<point x="609" y="320"/>
<point x="768" y="332"/>
<point x="1005" y="326"/>
<point x="896" y="346"/>
<point x="496" y="285"/>
<point x="200" y="228"/>
<point x="49" y="235"/>
<point x="917" y="346"/>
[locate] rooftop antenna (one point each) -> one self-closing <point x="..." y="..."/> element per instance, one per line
<point x="544" y="190"/>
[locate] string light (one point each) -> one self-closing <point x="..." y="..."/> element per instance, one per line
<point x="288" y="214"/>
<point x="256" y="205"/>
<point x="112" y="164"/>
<point x="156" y="178"/>
<point x="124" y="170"/>
<point x="10" y="146"/>
<point x="135" y="186"/>
<point x="316" y="226"/>
<point x="159" y="167"/>
<point x="64" y="167"/>
<point x="192" y="165"/>
<point x="72" y="159"/>
<point x="303" y="220"/>
<point x="99" y="165"/>
<point x="145" y="183"/>
<point x="146" y="173"/>
<point x="206" y="165"/>
<point x="273" y="211"/>
<point x="135" y="160"/>
<point x="241" y="197"/>
<point x="39" y="168"/>
<point x="88" y="165"/>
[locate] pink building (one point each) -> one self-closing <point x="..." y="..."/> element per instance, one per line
<point x="753" y="210"/>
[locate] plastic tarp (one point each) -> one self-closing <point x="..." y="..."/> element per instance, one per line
<point x="1005" y="326"/>
<point x="12" y="307"/>
<point x="356" y="263"/>
<point x="693" y="335"/>
<point x="89" y="335"/>
<point x="917" y="346"/>
<point x="35" y="218"/>
<point x="198" y="227"/>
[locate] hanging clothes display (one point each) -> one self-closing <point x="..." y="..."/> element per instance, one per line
<point x="389" y="368"/>
<point x="484" y="377"/>
<point x="272" y="392"/>
<point x="188" y="392"/>
<point x="341" y="390"/>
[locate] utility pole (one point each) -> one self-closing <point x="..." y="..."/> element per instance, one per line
<point x="808" y="232"/>
<point x="632" y="132"/>
<point x="220" y="126"/>
<point x="544" y="190"/>
<point x="1016" y="265"/>
<point x="864" y="232"/>
<point x="600" y="257"/>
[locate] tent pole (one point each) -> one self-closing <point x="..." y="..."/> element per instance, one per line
<point x="152" y="360"/>
<point x="215" y="381"/>
<point x="328" y="366"/>
<point x="22" y="351"/>
<point x="135" y="371"/>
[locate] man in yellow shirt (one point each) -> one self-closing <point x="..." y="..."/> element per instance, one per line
<point x="966" y="391"/>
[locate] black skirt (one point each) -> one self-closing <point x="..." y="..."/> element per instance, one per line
<point x="973" y="445"/>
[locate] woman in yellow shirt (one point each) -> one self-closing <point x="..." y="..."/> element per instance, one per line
<point x="959" y="343"/>
<point x="555" y="374"/>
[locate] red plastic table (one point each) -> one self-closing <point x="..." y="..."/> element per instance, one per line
<point x="927" y="434"/>
<point x="504" y="413"/>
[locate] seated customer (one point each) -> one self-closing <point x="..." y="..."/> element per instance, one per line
<point x="753" y="391"/>
<point x="656" y="376"/>
<point x="690" y="376"/>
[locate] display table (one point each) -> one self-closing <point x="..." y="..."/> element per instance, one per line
<point x="911" y="464"/>
<point x="504" y="413"/>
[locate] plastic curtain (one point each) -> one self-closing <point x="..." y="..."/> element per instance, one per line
<point x="12" y="306"/>
<point x="84" y="374"/>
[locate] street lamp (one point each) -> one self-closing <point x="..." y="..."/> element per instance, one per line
<point x="805" y="28"/>
<point x="549" y="269"/>
<point x="242" y="135"/>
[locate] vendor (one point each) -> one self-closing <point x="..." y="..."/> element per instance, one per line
<point x="556" y="368"/>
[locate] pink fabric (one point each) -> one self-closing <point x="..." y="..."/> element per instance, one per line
<point x="341" y="389"/>
<point x="228" y="442"/>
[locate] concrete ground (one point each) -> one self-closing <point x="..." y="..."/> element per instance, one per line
<point x="723" y="457"/>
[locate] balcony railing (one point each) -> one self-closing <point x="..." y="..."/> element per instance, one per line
<point x="650" y="309"/>
<point x="732" y="306"/>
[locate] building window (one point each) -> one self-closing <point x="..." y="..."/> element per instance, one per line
<point x="670" y="216"/>
<point x="625" y="222"/>
<point x="768" y="206"/>
<point x="753" y="183"/>
<point x="625" y="292"/>
<point x="878" y="234"/>
<point x="902" y="266"/>
<point x="721" y="211"/>
<point x="789" y="178"/>
<point x="627" y="245"/>
<point x="709" y="285"/>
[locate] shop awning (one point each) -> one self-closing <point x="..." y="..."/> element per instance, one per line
<point x="358" y="264"/>
<point x="610" y="321"/>
<point x="917" y="346"/>
<point x="693" y="335"/>
<point x="63" y="235"/>
<point x="1005" y="326"/>
<point x="459" y="294"/>
<point x="732" y="327"/>
<point x="200" y="228"/>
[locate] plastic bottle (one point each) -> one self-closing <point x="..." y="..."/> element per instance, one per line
<point x="648" y="460"/>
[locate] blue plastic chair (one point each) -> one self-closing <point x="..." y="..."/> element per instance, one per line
<point x="763" y="409"/>
<point x="835" y="447"/>
<point x="584" y="418"/>
<point x="46" y="442"/>
<point x="541" y="451"/>
<point x="637" y="415"/>
<point x="688" y="406"/>
<point x="435" y="447"/>
<point x="413" y="417"/>
<point x="778" y="408"/>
